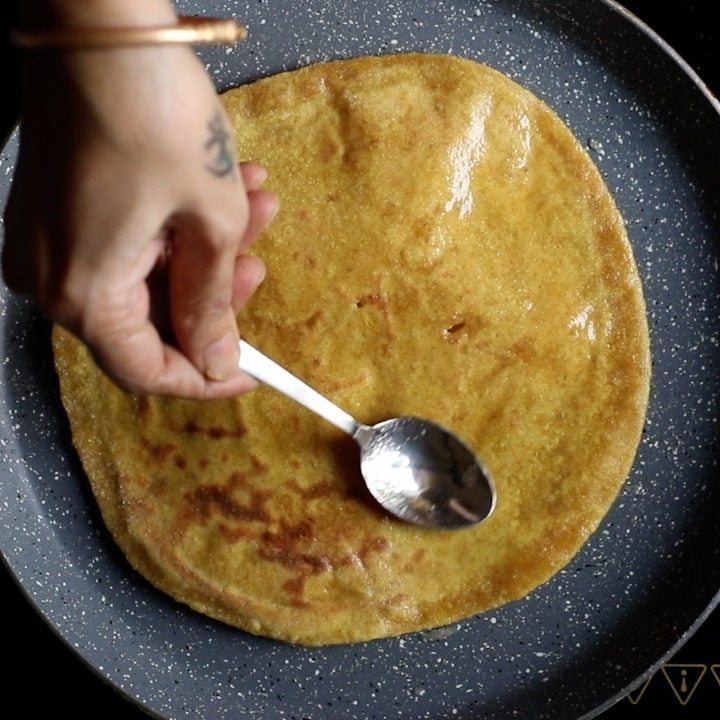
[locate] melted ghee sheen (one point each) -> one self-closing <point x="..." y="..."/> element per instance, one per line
<point x="445" y="248"/>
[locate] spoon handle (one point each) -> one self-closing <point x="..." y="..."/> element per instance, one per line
<point x="267" y="371"/>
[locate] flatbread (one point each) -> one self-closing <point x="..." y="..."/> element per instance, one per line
<point x="445" y="248"/>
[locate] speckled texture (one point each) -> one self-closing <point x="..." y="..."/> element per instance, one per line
<point x="646" y="576"/>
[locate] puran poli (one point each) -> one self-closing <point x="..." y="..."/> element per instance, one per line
<point x="445" y="248"/>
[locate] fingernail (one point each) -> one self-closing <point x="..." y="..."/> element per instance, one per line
<point x="221" y="358"/>
<point x="261" y="272"/>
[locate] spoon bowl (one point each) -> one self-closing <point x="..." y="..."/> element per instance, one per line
<point x="417" y="470"/>
<point x="424" y="474"/>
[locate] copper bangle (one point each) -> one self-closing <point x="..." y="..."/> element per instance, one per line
<point x="189" y="30"/>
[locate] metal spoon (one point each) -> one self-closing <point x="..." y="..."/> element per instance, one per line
<point x="416" y="469"/>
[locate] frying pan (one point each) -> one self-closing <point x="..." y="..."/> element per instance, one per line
<point x="642" y="583"/>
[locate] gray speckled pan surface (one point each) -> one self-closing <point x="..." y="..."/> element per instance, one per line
<point x="641" y="583"/>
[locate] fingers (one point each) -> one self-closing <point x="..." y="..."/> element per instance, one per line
<point x="262" y="208"/>
<point x="129" y="348"/>
<point x="253" y="175"/>
<point x="249" y="274"/>
<point x="142" y="364"/>
<point x="262" y="204"/>
<point x="201" y="281"/>
<point x="210" y="280"/>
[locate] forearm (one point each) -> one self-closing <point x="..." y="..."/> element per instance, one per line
<point x="95" y="13"/>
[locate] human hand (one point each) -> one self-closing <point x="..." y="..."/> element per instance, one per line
<point x="129" y="218"/>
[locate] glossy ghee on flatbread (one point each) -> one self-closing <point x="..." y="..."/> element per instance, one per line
<point x="445" y="248"/>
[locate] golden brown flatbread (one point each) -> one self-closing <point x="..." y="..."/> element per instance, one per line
<point x="445" y="248"/>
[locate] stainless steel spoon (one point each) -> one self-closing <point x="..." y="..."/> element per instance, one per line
<point x="417" y="470"/>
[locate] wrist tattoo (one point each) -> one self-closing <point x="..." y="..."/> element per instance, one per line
<point x="219" y="146"/>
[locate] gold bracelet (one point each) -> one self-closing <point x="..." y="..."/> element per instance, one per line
<point x="189" y="30"/>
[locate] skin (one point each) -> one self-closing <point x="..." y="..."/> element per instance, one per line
<point x="129" y="218"/>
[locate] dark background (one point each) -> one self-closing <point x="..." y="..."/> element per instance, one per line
<point x="40" y="672"/>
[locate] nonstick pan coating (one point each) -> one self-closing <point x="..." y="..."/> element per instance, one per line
<point x="644" y="580"/>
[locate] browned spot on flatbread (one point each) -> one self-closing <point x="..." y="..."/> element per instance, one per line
<point x="290" y="545"/>
<point x="158" y="453"/>
<point x="212" y="432"/>
<point x="221" y="501"/>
